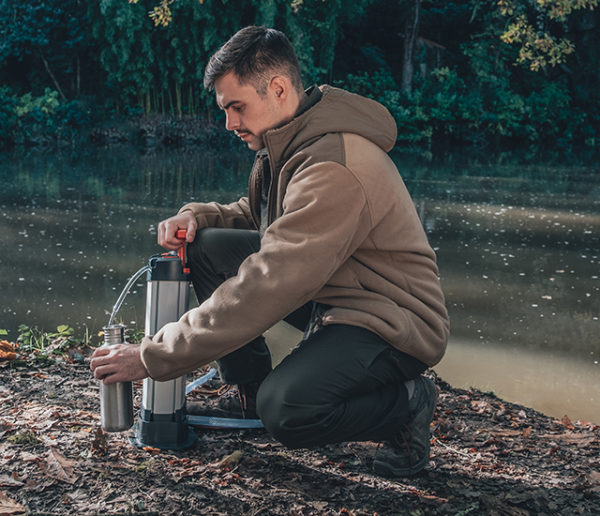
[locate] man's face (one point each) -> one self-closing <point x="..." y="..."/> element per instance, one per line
<point x="248" y="114"/>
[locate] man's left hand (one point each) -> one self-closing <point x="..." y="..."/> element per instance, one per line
<point x="118" y="363"/>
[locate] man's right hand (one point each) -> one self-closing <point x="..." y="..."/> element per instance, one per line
<point x="168" y="227"/>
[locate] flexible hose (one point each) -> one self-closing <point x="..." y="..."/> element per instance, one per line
<point x="125" y="291"/>
<point x="217" y="422"/>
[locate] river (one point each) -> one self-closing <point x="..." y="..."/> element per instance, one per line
<point x="518" y="245"/>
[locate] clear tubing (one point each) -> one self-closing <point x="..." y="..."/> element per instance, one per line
<point x="121" y="298"/>
<point x="199" y="381"/>
<point x="217" y="422"/>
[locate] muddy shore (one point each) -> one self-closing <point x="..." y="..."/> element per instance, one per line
<point x="488" y="457"/>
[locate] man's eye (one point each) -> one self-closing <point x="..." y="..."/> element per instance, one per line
<point x="238" y="109"/>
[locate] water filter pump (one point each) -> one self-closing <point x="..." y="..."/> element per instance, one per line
<point x="162" y="421"/>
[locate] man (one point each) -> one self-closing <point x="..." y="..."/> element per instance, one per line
<point x="327" y="239"/>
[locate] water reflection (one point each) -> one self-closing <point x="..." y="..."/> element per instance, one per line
<point x="518" y="257"/>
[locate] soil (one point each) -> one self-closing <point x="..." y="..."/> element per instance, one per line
<point x="487" y="457"/>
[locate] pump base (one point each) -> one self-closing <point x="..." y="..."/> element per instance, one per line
<point x="165" y="432"/>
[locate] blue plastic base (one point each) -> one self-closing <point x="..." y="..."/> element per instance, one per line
<point x="223" y="422"/>
<point x="217" y="422"/>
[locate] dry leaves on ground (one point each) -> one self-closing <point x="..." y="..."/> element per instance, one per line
<point x="488" y="457"/>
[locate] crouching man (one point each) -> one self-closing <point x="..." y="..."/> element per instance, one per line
<point x="327" y="239"/>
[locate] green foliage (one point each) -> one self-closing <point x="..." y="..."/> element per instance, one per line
<point x="411" y="118"/>
<point x="34" y="339"/>
<point x="33" y="343"/>
<point x="46" y="43"/>
<point x="39" y="119"/>
<point x="63" y="58"/>
<point x="134" y="335"/>
<point x="529" y="27"/>
<point x="36" y="114"/>
<point x="8" y="116"/>
<point x="314" y="28"/>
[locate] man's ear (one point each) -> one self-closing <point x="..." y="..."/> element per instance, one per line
<point x="280" y="86"/>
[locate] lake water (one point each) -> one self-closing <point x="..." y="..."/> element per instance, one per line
<point x="518" y="248"/>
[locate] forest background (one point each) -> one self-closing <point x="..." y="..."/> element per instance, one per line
<point x="490" y="73"/>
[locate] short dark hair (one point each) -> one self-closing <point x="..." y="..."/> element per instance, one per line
<point x="253" y="54"/>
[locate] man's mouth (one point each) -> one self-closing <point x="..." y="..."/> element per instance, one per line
<point x="243" y="135"/>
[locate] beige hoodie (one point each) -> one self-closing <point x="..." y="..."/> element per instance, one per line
<point x="343" y="231"/>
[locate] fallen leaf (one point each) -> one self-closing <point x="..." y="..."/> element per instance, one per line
<point x="37" y="485"/>
<point x="4" y="428"/>
<point x="7" y="352"/>
<point x="567" y="422"/>
<point x="9" y="481"/>
<point x="29" y="457"/>
<point x="229" y="461"/>
<point x="480" y="406"/>
<point x="99" y="444"/>
<point x="593" y="478"/>
<point x="9" y="506"/>
<point x="58" y="466"/>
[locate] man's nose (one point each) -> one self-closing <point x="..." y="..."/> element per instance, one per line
<point x="232" y="121"/>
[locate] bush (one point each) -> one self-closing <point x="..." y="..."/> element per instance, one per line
<point x="411" y="119"/>
<point x="36" y="117"/>
<point x="30" y="120"/>
<point x="8" y="117"/>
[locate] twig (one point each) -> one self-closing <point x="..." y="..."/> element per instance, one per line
<point x="458" y="452"/>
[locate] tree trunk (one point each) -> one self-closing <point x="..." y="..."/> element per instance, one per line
<point x="411" y="31"/>
<point x="178" y="99"/>
<point x="60" y="91"/>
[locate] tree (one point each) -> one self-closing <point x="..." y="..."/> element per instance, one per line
<point x="532" y="26"/>
<point x="411" y="32"/>
<point x="48" y="35"/>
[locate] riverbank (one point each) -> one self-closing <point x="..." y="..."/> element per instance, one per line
<point x="97" y="129"/>
<point x="488" y="457"/>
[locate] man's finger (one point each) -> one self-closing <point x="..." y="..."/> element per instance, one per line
<point x="101" y="356"/>
<point x="191" y="231"/>
<point x="160" y="236"/>
<point x="103" y="371"/>
<point x="100" y="352"/>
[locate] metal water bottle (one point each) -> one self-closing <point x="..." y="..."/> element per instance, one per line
<point x="116" y="399"/>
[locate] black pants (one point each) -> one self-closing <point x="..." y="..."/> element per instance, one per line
<point x="342" y="383"/>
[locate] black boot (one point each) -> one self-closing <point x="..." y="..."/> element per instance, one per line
<point x="231" y="401"/>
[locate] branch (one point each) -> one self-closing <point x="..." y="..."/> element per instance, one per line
<point x="53" y="78"/>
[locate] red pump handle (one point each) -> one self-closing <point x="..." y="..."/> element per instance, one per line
<point x="181" y="234"/>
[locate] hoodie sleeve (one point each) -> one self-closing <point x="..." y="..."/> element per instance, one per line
<point x="323" y="222"/>
<point x="235" y="215"/>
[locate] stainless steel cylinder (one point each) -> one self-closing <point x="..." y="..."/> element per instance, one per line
<point x="116" y="399"/>
<point x="162" y="421"/>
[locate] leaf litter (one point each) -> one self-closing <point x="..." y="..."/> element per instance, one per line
<point x="488" y="456"/>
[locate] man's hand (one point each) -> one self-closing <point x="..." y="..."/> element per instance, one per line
<point x="167" y="229"/>
<point x="118" y="363"/>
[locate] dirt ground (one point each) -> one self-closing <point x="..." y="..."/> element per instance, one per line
<point x="487" y="457"/>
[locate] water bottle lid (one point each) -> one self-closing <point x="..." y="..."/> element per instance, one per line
<point x="114" y="334"/>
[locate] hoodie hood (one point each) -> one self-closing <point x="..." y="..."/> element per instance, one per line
<point x="337" y="111"/>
